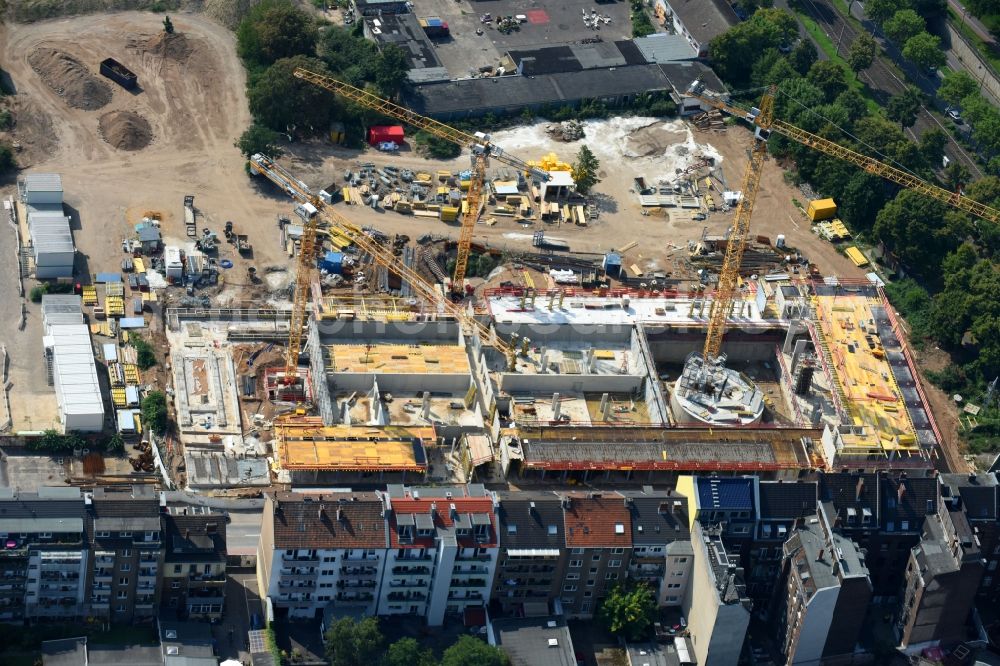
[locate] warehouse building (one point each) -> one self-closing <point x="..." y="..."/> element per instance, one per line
<point x="405" y="31"/>
<point x="48" y="226"/>
<point x="69" y="363"/>
<point x="698" y="21"/>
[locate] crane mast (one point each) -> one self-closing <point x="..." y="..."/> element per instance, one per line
<point x="729" y="276"/>
<point x="480" y="145"/>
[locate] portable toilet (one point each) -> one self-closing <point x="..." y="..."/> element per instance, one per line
<point x="612" y="264"/>
<point x="332" y="262"/>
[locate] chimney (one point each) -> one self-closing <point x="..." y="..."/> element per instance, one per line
<point x="340" y="515"/>
<point x="319" y="513"/>
<point x="532" y="509"/>
<point x="567" y="502"/>
<point x="858" y="488"/>
<point x="426" y="410"/>
<point x="900" y="492"/>
<point x="434" y="508"/>
<point x="453" y="511"/>
<point x="819" y="558"/>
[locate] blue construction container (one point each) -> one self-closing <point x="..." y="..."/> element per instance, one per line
<point x="612" y="264"/>
<point x="333" y="262"/>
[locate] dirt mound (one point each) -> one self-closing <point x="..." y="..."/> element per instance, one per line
<point x="126" y="130"/>
<point x="170" y="46"/>
<point x="228" y="12"/>
<point x="70" y="78"/>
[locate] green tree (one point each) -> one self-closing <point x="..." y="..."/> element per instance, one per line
<point x="628" y="612"/>
<point x="903" y="25"/>
<point x="932" y="144"/>
<point x="114" y="443"/>
<point x="956" y="176"/>
<point x="436" y="147"/>
<point x="829" y="77"/>
<point x="956" y="86"/>
<point x="145" y="357"/>
<point x="168" y="25"/>
<point x="585" y="170"/>
<point x="286" y="104"/>
<point x="470" y="651"/>
<point x="882" y="10"/>
<point x="911" y="228"/>
<point x="275" y="29"/>
<point x="734" y="52"/>
<point x="408" y="652"/>
<point x="391" y="71"/>
<point x="349" y="642"/>
<point x="862" y="53"/>
<point x="259" y="139"/>
<point x="154" y="412"/>
<point x="7" y="161"/>
<point x="904" y="108"/>
<point x="803" y="56"/>
<point x="924" y="50"/>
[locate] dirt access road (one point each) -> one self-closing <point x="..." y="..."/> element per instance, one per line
<point x="192" y="95"/>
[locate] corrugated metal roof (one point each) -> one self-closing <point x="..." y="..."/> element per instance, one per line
<point x="61" y="309"/>
<point x="74" y="370"/>
<point x="50" y="232"/>
<point x="663" y="48"/>
<point x="43" y="182"/>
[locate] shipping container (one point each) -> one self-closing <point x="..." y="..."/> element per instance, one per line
<point x="118" y="73"/>
<point x="385" y="134"/>
<point x="855" y="255"/>
<point x="434" y="26"/>
<point x="821" y="209"/>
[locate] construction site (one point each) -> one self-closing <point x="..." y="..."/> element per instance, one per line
<point x="481" y="320"/>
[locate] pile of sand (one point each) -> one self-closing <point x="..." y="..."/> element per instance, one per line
<point x="70" y="78"/>
<point x="171" y="47"/>
<point x="126" y="130"/>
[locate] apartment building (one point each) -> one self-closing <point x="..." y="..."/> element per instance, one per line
<point x="444" y="546"/>
<point x="44" y="557"/>
<point x="941" y="580"/>
<point x="662" y="556"/>
<point x="716" y="605"/>
<point x="822" y="596"/>
<point x="532" y="562"/>
<point x="194" y="563"/>
<point x="320" y="550"/>
<point x="124" y="529"/>
<point x="782" y="507"/>
<point x="884" y="514"/>
<point x="599" y="539"/>
<point x="979" y="496"/>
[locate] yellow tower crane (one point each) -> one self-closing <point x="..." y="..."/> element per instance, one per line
<point x="763" y="121"/>
<point x="315" y="210"/>
<point x="479" y="143"/>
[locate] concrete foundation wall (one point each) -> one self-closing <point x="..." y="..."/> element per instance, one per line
<point x="670" y="347"/>
<point x="410" y="383"/>
<point x="381" y="332"/>
<point x="642" y="360"/>
<point x="542" y="334"/>
<point x="514" y="383"/>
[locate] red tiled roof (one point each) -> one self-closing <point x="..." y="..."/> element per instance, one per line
<point x="312" y="521"/>
<point x="591" y="522"/>
<point x="442" y="519"/>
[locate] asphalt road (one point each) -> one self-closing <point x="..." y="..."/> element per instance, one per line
<point x="971" y="21"/>
<point x="243" y="532"/>
<point x="881" y="79"/>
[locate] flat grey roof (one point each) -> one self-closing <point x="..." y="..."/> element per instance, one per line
<point x="662" y="48"/>
<point x="43" y="182"/>
<point x="535" y="641"/>
<point x="65" y="652"/>
<point x="39" y="525"/>
<point x="127" y="524"/>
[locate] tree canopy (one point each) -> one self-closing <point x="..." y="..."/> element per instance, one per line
<point x="956" y="86"/>
<point x="903" y="108"/>
<point x="259" y="139"/>
<point x="734" y="51"/>
<point x="154" y="412"/>
<point x="285" y="104"/>
<point x="862" y="53"/>
<point x="408" y="652"/>
<point x="924" y="49"/>
<point x="628" y="612"/>
<point x="470" y="651"/>
<point x="585" y="170"/>
<point x="275" y="29"/>
<point x="349" y="642"/>
<point x="904" y="24"/>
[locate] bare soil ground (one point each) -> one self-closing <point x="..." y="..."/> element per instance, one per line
<point x="192" y="95"/>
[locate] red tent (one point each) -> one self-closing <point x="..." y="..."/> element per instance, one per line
<point x="380" y="133"/>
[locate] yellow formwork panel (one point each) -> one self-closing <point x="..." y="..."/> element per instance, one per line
<point x="874" y="400"/>
<point x="399" y="359"/>
<point x="131" y="373"/>
<point x="118" y="397"/>
<point x="90" y="295"/>
<point x="114" y="306"/>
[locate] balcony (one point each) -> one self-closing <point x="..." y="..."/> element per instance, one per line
<point x="465" y="596"/>
<point x="411" y="571"/>
<point x="474" y="558"/>
<point x="359" y="571"/>
<point x="407" y="583"/>
<point x="360" y="558"/>
<point x="218" y="577"/>
<point x="468" y="582"/>
<point x="414" y="557"/>
<point x="302" y="559"/>
<point x="406" y="596"/>
<point x="60" y="575"/>
<point x="348" y="584"/>
<point x="646" y="571"/>
<point x="297" y="584"/>
<point x="354" y="596"/>
<point x="525" y="568"/>
<point x="300" y="573"/>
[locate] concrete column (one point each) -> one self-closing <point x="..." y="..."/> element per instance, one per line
<point x="794" y="328"/>
<point x="426" y="411"/>
<point x="591" y="363"/>
<point x="556" y="406"/>
<point x="606" y="412"/>
<point x="604" y="403"/>
<point x="797" y="352"/>
<point x="543" y="362"/>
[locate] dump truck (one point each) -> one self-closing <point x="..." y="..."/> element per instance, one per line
<point x="119" y="73"/>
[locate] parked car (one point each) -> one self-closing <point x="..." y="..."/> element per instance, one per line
<point x="954" y="114"/>
<point x="255" y="622"/>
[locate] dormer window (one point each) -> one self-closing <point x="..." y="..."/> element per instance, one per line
<point x="511" y="528"/>
<point x="483" y="531"/>
<point x="553" y="530"/>
<point x="463" y="532"/>
<point x="124" y="535"/>
<point x="405" y="533"/>
<point x="424" y="532"/>
<point x="619" y="528"/>
<point x="866" y="516"/>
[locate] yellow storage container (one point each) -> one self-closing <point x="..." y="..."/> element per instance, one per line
<point x="449" y="213"/>
<point x="821" y="209"/>
<point x="443" y="175"/>
<point x="855" y="255"/>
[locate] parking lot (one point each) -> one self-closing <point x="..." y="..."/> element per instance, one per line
<point x="548" y="24"/>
